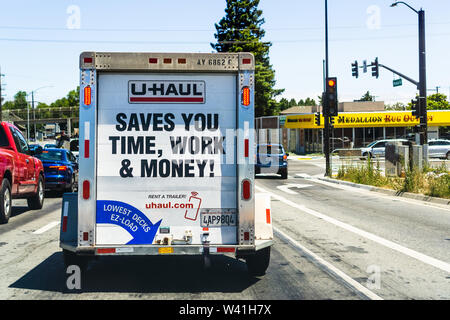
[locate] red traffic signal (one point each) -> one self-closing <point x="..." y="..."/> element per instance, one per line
<point x="331" y="101"/>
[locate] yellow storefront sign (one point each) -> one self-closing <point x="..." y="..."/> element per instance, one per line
<point x="436" y="118"/>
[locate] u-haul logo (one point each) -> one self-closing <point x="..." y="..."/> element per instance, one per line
<point x="166" y="91"/>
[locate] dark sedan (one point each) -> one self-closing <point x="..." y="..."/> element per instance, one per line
<point x="271" y="158"/>
<point x="60" y="169"/>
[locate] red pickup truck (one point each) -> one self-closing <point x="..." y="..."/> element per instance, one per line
<point x="21" y="174"/>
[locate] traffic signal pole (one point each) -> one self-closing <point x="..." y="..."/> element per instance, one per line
<point x="422" y="80"/>
<point x="326" y="130"/>
<point x="422" y="130"/>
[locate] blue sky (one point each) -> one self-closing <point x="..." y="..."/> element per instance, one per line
<point x="41" y="41"/>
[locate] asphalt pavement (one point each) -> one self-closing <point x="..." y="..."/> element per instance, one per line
<point x="331" y="242"/>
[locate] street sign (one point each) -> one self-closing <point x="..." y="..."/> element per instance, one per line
<point x="397" y="82"/>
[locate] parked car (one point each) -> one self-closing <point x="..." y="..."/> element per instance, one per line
<point x="34" y="147"/>
<point x="74" y="147"/>
<point x="60" y="169"/>
<point x="21" y="174"/>
<point x="376" y="148"/>
<point x="271" y="158"/>
<point x="439" y="148"/>
<point x="409" y="136"/>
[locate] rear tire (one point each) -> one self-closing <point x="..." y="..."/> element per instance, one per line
<point x="36" y="201"/>
<point x="5" y="201"/>
<point x="258" y="263"/>
<point x="284" y="174"/>
<point x="73" y="185"/>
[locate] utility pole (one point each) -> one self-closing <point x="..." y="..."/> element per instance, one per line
<point x="34" y="114"/>
<point x="437" y="89"/>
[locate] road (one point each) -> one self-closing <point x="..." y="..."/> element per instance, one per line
<point x="331" y="242"/>
<point x="398" y="247"/>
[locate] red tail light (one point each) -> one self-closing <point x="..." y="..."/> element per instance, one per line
<point x="106" y="250"/>
<point x="64" y="225"/>
<point x="246" y="189"/>
<point x="86" y="148"/>
<point x="59" y="168"/>
<point x="226" y="249"/>
<point x="246" y="146"/>
<point x="86" y="191"/>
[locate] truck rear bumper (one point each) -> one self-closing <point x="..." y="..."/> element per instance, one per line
<point x="239" y="250"/>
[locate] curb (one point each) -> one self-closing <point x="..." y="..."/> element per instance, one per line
<point x="409" y="195"/>
<point x="305" y="158"/>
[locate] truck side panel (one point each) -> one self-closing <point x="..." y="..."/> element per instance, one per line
<point x="87" y="165"/>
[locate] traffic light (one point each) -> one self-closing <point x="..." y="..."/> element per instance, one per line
<point x="331" y="100"/>
<point x="355" y="71"/>
<point x="375" y="72"/>
<point x="317" y="118"/>
<point x="415" y="107"/>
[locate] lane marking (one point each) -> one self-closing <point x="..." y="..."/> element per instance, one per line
<point x="329" y="268"/>
<point x="387" y="243"/>
<point x="46" y="227"/>
<point x="286" y="187"/>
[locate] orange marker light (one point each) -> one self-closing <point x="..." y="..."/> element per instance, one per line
<point x="87" y="95"/>
<point x="246" y="96"/>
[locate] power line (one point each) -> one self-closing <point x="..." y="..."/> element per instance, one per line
<point x="203" y="42"/>
<point x="187" y="29"/>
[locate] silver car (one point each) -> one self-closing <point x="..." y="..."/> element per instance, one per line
<point x="439" y="148"/>
<point x="376" y="148"/>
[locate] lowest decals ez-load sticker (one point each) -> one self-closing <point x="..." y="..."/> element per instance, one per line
<point x="163" y="159"/>
<point x="121" y="214"/>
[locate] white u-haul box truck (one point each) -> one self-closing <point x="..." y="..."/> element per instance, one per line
<point x="166" y="160"/>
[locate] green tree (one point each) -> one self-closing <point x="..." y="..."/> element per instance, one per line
<point x="19" y="102"/>
<point x="367" y="97"/>
<point x="292" y="103"/>
<point x="240" y="31"/>
<point x="283" y="104"/>
<point x="437" y="101"/>
<point x="310" y="102"/>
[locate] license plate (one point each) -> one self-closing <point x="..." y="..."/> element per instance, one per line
<point x="218" y="218"/>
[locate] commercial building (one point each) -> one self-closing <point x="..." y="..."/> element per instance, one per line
<point x="357" y="124"/>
